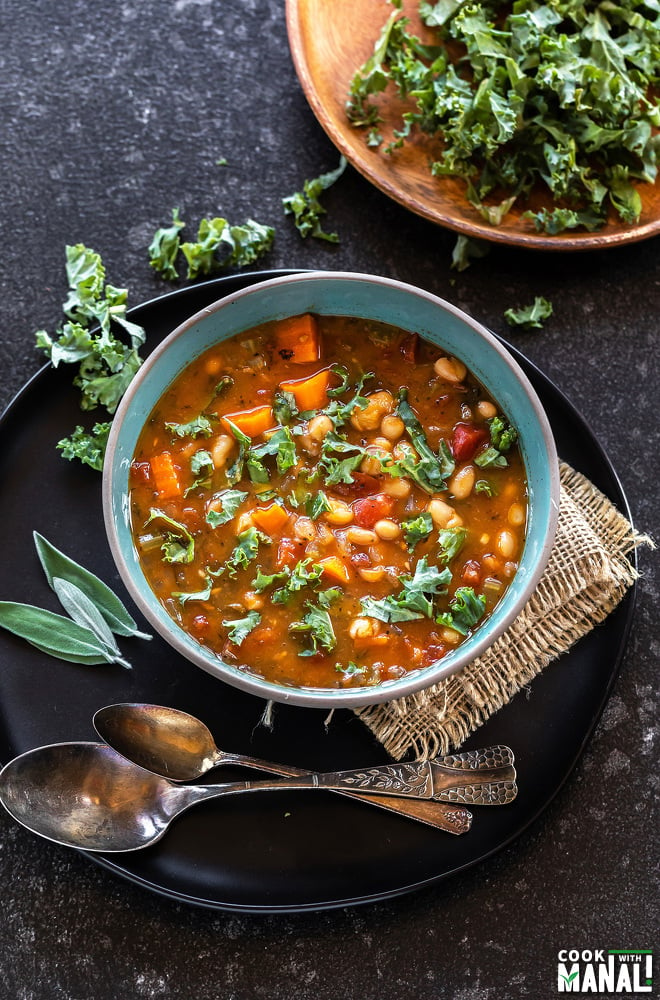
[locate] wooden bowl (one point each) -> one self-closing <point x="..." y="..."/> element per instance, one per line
<point x="329" y="40"/>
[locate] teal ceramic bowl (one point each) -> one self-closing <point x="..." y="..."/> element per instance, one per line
<point x="369" y="297"/>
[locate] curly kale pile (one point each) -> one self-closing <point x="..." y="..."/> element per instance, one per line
<point x="557" y="95"/>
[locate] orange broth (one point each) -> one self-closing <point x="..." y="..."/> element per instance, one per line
<point x="328" y="502"/>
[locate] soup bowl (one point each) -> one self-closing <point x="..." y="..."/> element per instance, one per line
<point x="375" y="299"/>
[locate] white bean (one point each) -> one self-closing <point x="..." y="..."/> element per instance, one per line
<point x="506" y="544"/>
<point x="462" y="482"/>
<point x="387" y="529"/>
<point x="450" y="369"/>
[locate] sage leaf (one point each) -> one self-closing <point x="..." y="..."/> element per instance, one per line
<point x="83" y="611"/>
<point x="56" y="564"/>
<point x="54" y="634"/>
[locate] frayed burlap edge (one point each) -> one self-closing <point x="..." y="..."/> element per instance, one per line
<point x="587" y="575"/>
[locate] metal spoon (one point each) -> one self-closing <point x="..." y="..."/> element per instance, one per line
<point x="88" y="796"/>
<point x="179" y="746"/>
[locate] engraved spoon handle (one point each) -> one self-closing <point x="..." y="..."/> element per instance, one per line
<point x="445" y="815"/>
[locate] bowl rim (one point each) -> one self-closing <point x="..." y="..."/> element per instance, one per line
<point x="410" y="683"/>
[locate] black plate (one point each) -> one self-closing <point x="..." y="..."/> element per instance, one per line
<point x="283" y="851"/>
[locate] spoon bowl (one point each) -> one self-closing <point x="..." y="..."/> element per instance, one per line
<point x="164" y="740"/>
<point x="87" y="796"/>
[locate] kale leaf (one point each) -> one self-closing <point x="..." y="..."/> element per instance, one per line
<point x="306" y="208"/>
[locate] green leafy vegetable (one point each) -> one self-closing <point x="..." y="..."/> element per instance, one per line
<point x="451" y="541"/>
<point x="490" y="457"/>
<point x="466" y="609"/>
<point x="284" y="406"/>
<point x="56" y="564"/>
<point x="316" y="505"/>
<point x="178" y="544"/>
<point x="105" y="363"/>
<point x="201" y="466"/>
<point x="218" y="245"/>
<point x="316" y="625"/>
<point x="530" y="316"/>
<point x="55" y="634"/>
<point x="415" y="599"/>
<point x="198" y="426"/>
<point x="87" y="446"/>
<point x="198" y="595"/>
<point x="304" y="573"/>
<point x="502" y="434"/>
<point x="430" y="471"/>
<point x="164" y="248"/>
<point x="466" y="250"/>
<point x="239" y="628"/>
<point x="560" y="95"/>
<point x="417" y="529"/>
<point x="340" y="412"/>
<point x="281" y="445"/>
<point x="483" y="486"/>
<point x="306" y="208"/>
<point x="246" y="549"/>
<point x="326" y="598"/>
<point x="230" y="501"/>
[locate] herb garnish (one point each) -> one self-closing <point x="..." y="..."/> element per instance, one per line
<point x="530" y="316"/>
<point x="306" y="208"/>
<point x="431" y="471"/>
<point x="95" y="611"/>
<point x="417" y="529"/>
<point x="557" y="94"/>
<point x="415" y="599"/>
<point x="465" y="609"/>
<point x="178" y="544"/>
<point x="106" y="365"/>
<point x="218" y="245"/>
<point x="246" y="550"/>
<point x="200" y="425"/>
<point x="239" y="628"/>
<point x="230" y="501"/>
<point x="317" y="627"/>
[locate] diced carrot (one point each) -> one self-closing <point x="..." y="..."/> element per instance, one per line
<point x="165" y="475"/>
<point x="310" y="393"/>
<point x="297" y="339"/>
<point x="289" y="552"/>
<point x="271" y="518"/>
<point x="253" y="422"/>
<point x="335" y="569"/>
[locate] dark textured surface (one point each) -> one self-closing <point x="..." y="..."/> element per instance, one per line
<point x="111" y="116"/>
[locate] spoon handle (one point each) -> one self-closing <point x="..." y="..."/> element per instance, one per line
<point x="416" y="781"/>
<point x="452" y="818"/>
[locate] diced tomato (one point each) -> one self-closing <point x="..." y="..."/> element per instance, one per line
<point x="371" y="509"/>
<point x="471" y="574"/>
<point x="290" y="551"/>
<point x="192" y="518"/>
<point x="466" y="438"/>
<point x="432" y="653"/>
<point x="140" y="472"/>
<point x="363" y="484"/>
<point x="408" y="348"/>
<point x="200" y="624"/>
<point x="360" y="559"/>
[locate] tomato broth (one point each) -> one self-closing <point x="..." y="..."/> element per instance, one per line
<point x="328" y="501"/>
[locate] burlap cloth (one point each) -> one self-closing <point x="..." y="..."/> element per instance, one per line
<point x="587" y="575"/>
